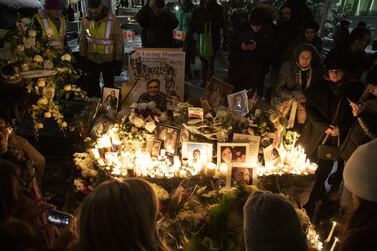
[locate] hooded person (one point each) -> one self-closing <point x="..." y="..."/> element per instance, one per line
<point x="271" y="223"/>
<point x="51" y="23"/>
<point x="360" y="175"/>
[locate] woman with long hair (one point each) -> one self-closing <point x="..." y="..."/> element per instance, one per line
<point x="359" y="176"/>
<point x="120" y="216"/>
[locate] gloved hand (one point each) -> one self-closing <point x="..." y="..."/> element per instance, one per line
<point x="118" y="67"/>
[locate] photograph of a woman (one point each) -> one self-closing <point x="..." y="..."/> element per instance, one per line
<point x="232" y="152"/>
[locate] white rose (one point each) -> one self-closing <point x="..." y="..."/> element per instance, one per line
<point x="38" y="58"/>
<point x="48" y="64"/>
<point x="47" y="114"/>
<point x="67" y="87"/>
<point x="39" y="125"/>
<point x="150" y="126"/>
<point x="42" y="101"/>
<point x="32" y="33"/>
<point x="142" y="106"/>
<point x="41" y="82"/>
<point x="64" y="124"/>
<point x="138" y="122"/>
<point x="66" y="57"/>
<point x="152" y="105"/>
<point x="25" y="20"/>
<point x="20" y="48"/>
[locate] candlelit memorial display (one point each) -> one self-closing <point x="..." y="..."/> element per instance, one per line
<point x="47" y="74"/>
<point x="191" y="184"/>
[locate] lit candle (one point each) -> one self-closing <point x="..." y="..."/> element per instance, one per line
<point x="182" y="173"/>
<point x="336" y="240"/>
<point x="163" y="152"/>
<point x="210" y="169"/>
<point x="331" y="232"/>
<point x="223" y="169"/>
<point x="95" y="153"/>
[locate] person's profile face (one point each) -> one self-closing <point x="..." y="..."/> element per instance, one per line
<point x="305" y="59"/>
<point x="242" y="174"/>
<point x="153" y="88"/>
<point x="227" y="155"/>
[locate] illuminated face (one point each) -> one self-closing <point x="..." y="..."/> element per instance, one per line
<point x="304" y="59"/>
<point x="335" y="75"/>
<point x="227" y="155"/>
<point x="309" y="34"/>
<point x="153" y="88"/>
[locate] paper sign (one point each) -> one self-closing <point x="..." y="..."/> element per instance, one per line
<point x="179" y="35"/>
<point x="253" y="141"/>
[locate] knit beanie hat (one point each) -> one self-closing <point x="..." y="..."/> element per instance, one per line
<point x="271" y="223"/>
<point x="258" y="16"/>
<point x="53" y="5"/>
<point x="360" y="172"/>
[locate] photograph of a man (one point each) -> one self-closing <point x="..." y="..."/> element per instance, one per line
<point x="154" y="94"/>
<point x="112" y="100"/>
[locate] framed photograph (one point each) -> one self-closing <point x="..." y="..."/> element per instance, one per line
<point x="110" y="98"/>
<point x="271" y="155"/>
<point x="235" y="154"/>
<point x="238" y="102"/>
<point x="253" y="141"/>
<point x="169" y="136"/>
<point x="154" y="147"/>
<point x="216" y="92"/>
<point x="247" y="175"/>
<point x="198" y="152"/>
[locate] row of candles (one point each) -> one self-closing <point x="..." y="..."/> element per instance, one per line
<point x="110" y="155"/>
<point x="293" y="162"/>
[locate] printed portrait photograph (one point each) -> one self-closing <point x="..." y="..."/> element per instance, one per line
<point x="197" y="152"/>
<point x="238" y="102"/>
<point x="154" y="147"/>
<point x="216" y="92"/>
<point x="246" y="175"/>
<point x="169" y="136"/>
<point x="271" y="155"/>
<point x="110" y="98"/>
<point x="232" y="153"/>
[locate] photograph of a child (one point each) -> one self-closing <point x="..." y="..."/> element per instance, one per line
<point x="110" y="98"/>
<point x="238" y="102"/>
<point x="232" y="153"/>
<point x="216" y="92"/>
<point x="170" y="138"/>
<point x="197" y="152"/>
<point x="241" y="174"/>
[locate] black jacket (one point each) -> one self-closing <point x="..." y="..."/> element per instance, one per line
<point x="248" y="68"/>
<point x="157" y="29"/>
<point x="321" y="105"/>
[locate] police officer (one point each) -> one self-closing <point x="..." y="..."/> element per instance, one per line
<point x="101" y="44"/>
<point x="51" y="22"/>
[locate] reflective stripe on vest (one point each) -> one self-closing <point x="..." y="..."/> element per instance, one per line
<point x="55" y="37"/>
<point x="99" y="38"/>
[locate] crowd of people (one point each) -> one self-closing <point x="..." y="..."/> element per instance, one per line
<point x="336" y="108"/>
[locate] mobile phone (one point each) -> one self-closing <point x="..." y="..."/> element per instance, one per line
<point x="58" y="218"/>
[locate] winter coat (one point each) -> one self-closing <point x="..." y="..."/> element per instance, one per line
<point x="361" y="239"/>
<point x="213" y="14"/>
<point x="247" y="69"/>
<point x="321" y="105"/>
<point x="362" y="131"/>
<point x="116" y="36"/>
<point x="290" y="73"/>
<point x="157" y="29"/>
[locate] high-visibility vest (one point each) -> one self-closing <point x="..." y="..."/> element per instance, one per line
<point x="50" y="32"/>
<point x="99" y="36"/>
